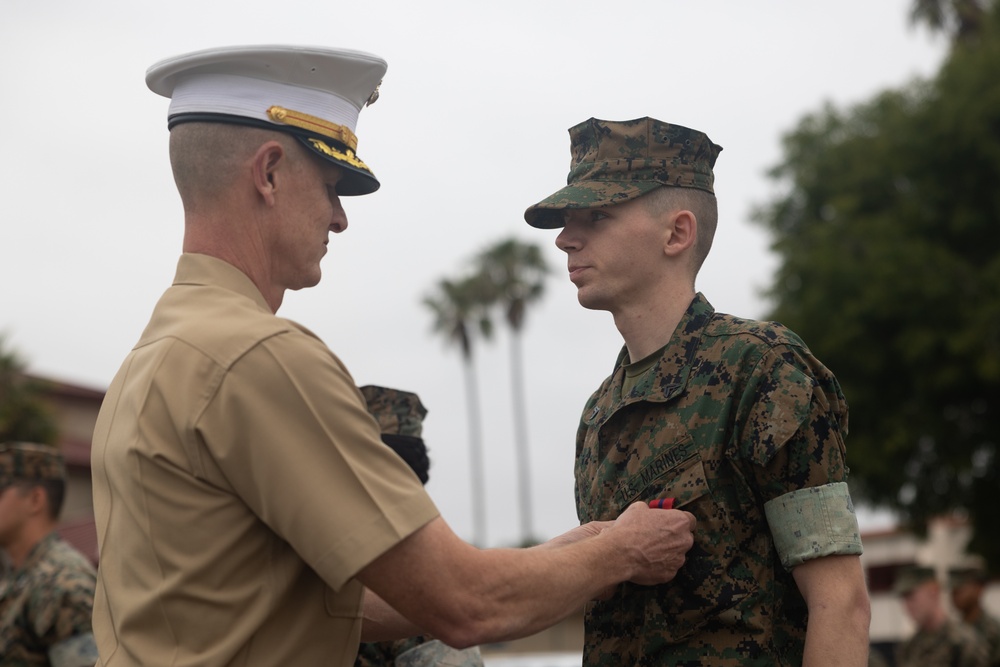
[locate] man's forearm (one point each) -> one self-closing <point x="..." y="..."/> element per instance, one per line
<point x="382" y="622"/>
<point x="466" y="596"/>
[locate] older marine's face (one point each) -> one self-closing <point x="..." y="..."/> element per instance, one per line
<point x="313" y="210"/>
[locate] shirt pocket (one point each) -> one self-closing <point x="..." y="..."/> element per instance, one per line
<point x="348" y="603"/>
<point x="713" y="578"/>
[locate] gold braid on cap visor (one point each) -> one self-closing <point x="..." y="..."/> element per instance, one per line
<point x="336" y="132"/>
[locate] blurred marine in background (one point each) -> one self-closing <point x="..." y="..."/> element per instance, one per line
<point x="939" y="641"/>
<point x="400" y="416"/>
<point x="46" y="586"/>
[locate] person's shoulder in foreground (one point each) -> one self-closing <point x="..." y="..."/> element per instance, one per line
<point x="247" y="509"/>
<point x="731" y="419"/>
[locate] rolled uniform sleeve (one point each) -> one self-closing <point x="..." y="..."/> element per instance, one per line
<point x="794" y="438"/>
<point x="812" y="523"/>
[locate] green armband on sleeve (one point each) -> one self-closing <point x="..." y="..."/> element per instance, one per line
<point x="813" y="523"/>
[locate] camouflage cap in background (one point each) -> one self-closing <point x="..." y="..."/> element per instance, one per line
<point x="397" y="412"/>
<point x="30" y="462"/>
<point x="615" y="161"/>
<point x="960" y="576"/>
<point x="909" y="578"/>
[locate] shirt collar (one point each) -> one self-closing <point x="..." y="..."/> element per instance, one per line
<point x="670" y="373"/>
<point x="197" y="269"/>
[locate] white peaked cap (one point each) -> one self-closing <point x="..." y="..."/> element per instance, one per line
<point x="313" y="93"/>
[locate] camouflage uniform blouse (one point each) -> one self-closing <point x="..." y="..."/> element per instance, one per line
<point x="988" y="628"/>
<point x="734" y="414"/>
<point x="45" y="608"/>
<point x="954" y="644"/>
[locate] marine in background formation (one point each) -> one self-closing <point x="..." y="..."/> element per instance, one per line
<point x="939" y="640"/>
<point x="46" y="586"/>
<point x="967" y="585"/>
<point x="400" y="416"/>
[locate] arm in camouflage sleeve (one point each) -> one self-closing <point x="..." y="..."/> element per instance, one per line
<point x="796" y="435"/>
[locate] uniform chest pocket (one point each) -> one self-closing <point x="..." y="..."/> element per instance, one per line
<point x="709" y="583"/>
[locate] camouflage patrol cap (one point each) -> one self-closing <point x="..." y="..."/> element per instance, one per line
<point x="397" y="412"/>
<point x="615" y="161"/>
<point x="960" y="576"/>
<point x="910" y="578"/>
<point x="29" y="462"/>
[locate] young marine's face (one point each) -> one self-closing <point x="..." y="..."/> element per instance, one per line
<point x="12" y="513"/>
<point x="614" y="254"/>
<point x="314" y="210"/>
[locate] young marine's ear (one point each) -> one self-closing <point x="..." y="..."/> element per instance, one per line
<point x="682" y="232"/>
<point x="265" y="167"/>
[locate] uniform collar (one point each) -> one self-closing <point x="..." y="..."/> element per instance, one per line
<point x="198" y="269"/>
<point x="670" y="373"/>
<point x="37" y="552"/>
<point x="667" y="377"/>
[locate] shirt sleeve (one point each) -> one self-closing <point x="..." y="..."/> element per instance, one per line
<point x="794" y="424"/>
<point x="290" y="431"/>
<point x="793" y="439"/>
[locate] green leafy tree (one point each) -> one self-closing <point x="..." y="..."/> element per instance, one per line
<point x="888" y="235"/>
<point x="460" y="309"/>
<point x="517" y="271"/>
<point x="24" y="415"/>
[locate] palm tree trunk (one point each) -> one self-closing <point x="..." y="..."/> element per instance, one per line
<point x="521" y="437"/>
<point x="475" y="455"/>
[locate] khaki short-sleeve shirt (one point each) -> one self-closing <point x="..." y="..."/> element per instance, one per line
<point x="239" y="486"/>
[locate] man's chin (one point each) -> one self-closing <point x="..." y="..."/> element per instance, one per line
<point x="590" y="302"/>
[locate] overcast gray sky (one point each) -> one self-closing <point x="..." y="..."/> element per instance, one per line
<point x="470" y="129"/>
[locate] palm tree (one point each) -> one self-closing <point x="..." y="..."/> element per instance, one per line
<point x="24" y="416"/>
<point x="962" y="20"/>
<point x="460" y="315"/>
<point x="516" y="271"/>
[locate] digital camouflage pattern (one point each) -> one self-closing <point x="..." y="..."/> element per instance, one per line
<point x="397" y="412"/>
<point x="988" y="628"/>
<point x="615" y="161"/>
<point x="435" y="653"/>
<point x="732" y="414"/>
<point x="383" y="654"/>
<point x="30" y="462"/>
<point x="952" y="645"/>
<point x="45" y="608"/>
<point x="400" y="416"/>
<point x="417" y="652"/>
